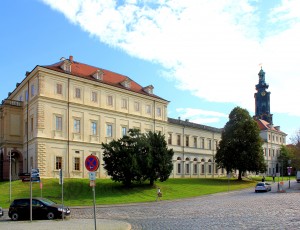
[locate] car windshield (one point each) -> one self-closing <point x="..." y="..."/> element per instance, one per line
<point x="47" y="201"/>
<point x="260" y="184"/>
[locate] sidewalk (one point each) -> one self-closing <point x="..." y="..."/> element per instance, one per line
<point x="74" y="224"/>
<point x="294" y="186"/>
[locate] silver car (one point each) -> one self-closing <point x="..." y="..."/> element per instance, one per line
<point x="262" y="187"/>
<point x="1" y="212"/>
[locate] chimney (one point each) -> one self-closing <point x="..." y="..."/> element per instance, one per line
<point x="71" y="58"/>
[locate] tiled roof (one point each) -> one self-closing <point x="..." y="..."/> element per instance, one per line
<point x="264" y="125"/>
<point x="86" y="71"/>
<point x="193" y="125"/>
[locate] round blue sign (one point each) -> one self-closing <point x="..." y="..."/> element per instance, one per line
<point x="92" y="163"/>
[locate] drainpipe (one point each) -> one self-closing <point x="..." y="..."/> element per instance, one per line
<point x="183" y="166"/>
<point x="27" y="126"/>
<point x="68" y="128"/>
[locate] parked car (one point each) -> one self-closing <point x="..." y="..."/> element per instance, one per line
<point x="42" y="208"/>
<point x="262" y="187"/>
<point x="298" y="176"/>
<point x="1" y="212"/>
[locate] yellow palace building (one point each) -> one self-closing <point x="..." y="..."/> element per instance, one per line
<point x="61" y="113"/>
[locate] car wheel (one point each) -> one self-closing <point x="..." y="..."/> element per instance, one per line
<point x="255" y="191"/>
<point x="50" y="216"/>
<point x="15" y="216"/>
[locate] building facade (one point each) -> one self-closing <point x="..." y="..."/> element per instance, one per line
<point x="61" y="113"/>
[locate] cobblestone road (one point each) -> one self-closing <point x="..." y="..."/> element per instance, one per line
<point x="234" y="210"/>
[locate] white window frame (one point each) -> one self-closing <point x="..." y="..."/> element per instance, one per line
<point x="77" y="93"/>
<point x="58" y="123"/>
<point x="94" y="96"/>
<point x="109" y="130"/>
<point x="77" y="125"/>
<point x="94" y="126"/>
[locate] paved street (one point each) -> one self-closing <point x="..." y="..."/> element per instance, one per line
<point x="234" y="210"/>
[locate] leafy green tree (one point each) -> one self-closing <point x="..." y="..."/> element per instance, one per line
<point x="284" y="156"/>
<point x="138" y="157"/>
<point x="240" y="147"/>
<point x="120" y="158"/>
<point x="294" y="150"/>
<point x="159" y="163"/>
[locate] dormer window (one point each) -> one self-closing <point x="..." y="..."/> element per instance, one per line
<point x="66" y="65"/>
<point x="126" y="83"/>
<point x="98" y="75"/>
<point x="149" y="89"/>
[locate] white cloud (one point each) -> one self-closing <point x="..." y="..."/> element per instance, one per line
<point x="200" y="116"/>
<point x="211" y="48"/>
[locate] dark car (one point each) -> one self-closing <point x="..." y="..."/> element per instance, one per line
<point x="42" y="208"/>
<point x="1" y="212"/>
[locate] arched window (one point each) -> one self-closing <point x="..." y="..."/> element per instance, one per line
<point x="195" y="159"/>
<point x="187" y="159"/>
<point x="179" y="158"/>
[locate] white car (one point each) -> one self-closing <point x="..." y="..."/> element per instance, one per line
<point x="262" y="187"/>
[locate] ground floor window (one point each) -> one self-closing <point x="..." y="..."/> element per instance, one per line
<point x="187" y="168"/>
<point x="209" y="169"/>
<point x="202" y="169"/>
<point x="58" y="163"/>
<point x="179" y="168"/>
<point x="77" y="163"/>
<point x="195" y="168"/>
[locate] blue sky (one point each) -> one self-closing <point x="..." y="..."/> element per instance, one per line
<point x="203" y="56"/>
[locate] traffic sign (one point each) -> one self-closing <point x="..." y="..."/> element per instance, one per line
<point x="92" y="175"/>
<point x="92" y="163"/>
<point x="92" y="183"/>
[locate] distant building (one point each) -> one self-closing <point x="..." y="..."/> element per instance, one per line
<point x="61" y="113"/>
<point x="273" y="138"/>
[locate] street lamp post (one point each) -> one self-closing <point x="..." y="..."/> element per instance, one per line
<point x="289" y="172"/>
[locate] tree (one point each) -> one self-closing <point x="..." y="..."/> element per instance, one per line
<point x="240" y="147"/>
<point x="160" y="163"/>
<point x="138" y="157"/>
<point x="284" y="156"/>
<point x="294" y="150"/>
<point x="120" y="158"/>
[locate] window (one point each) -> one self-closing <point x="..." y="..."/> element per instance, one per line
<point x="110" y="100"/>
<point x="136" y="106"/>
<point x="170" y="138"/>
<point x="158" y="112"/>
<point x="76" y="126"/>
<point x="109" y="130"/>
<point x="58" y="163"/>
<point x="77" y="163"/>
<point x="195" y="142"/>
<point x="178" y="139"/>
<point x="179" y="168"/>
<point x="58" y="123"/>
<point x="187" y="141"/>
<point x="202" y="169"/>
<point x="94" y="97"/>
<point x="209" y="144"/>
<point x="32" y="90"/>
<point x="216" y="145"/>
<point x="77" y="93"/>
<point x="21" y="98"/>
<point x="187" y="168"/>
<point x="265" y="152"/>
<point x="124" y="103"/>
<point x="269" y="152"/>
<point x="124" y="131"/>
<point x="202" y="143"/>
<point x="59" y="88"/>
<point x="31" y="124"/>
<point x="26" y="95"/>
<point x="94" y="128"/>
<point x="148" y="109"/>
<point x="195" y="168"/>
<point x="209" y="169"/>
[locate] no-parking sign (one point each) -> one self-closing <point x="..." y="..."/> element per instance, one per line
<point x="92" y="163"/>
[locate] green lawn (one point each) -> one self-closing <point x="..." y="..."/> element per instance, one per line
<point x="77" y="192"/>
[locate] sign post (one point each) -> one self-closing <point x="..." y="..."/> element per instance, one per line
<point x="92" y="164"/>
<point x="61" y="181"/>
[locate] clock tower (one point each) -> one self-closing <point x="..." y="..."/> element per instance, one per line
<point x="262" y="99"/>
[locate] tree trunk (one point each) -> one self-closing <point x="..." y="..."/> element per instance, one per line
<point x="151" y="181"/>
<point x="240" y="175"/>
